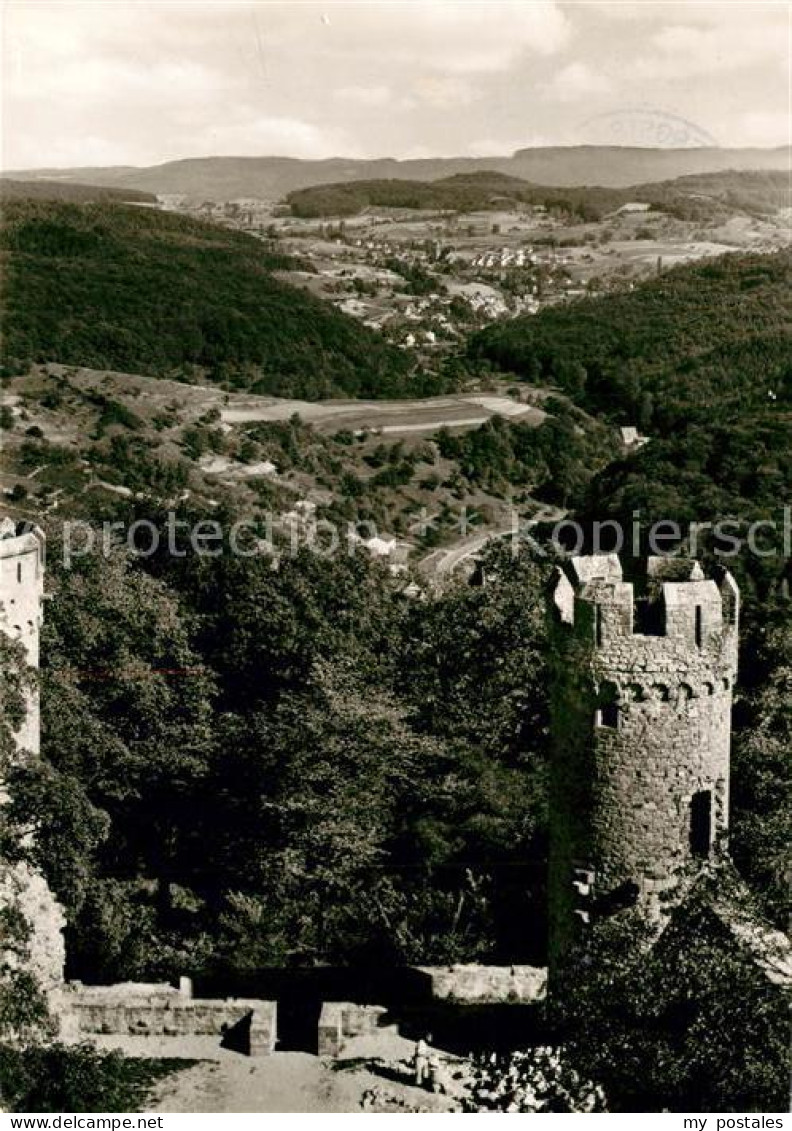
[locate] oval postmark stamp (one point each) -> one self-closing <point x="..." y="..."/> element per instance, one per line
<point x="645" y="126"/>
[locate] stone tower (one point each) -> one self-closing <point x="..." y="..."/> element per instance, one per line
<point x="21" y="603"/>
<point x="641" y="718"/>
<point x="21" y="598"/>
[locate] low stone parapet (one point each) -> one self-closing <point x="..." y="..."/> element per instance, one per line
<point x="160" y="1010"/>
<point x="330" y="1030"/>
<point x="340" y="1020"/>
<point x="487" y="985"/>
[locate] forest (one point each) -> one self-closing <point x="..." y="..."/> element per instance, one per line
<point x="463" y="192"/>
<point x="138" y="291"/>
<point x="701" y="342"/>
<point x="702" y="197"/>
<point x="699" y="360"/>
<point x="11" y="189"/>
<point x="243" y="766"/>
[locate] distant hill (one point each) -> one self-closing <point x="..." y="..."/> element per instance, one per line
<point x="694" y="197"/>
<point x="226" y="178"/>
<point x="705" y="341"/>
<point x="70" y="190"/>
<point x="759" y="191"/>
<point x="463" y="192"/>
<point x="132" y="289"/>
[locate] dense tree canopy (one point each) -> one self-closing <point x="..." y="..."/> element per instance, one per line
<point x="654" y="1023"/>
<point x="140" y="291"/>
<point x="331" y="772"/>
<point x="696" y="197"/>
<point x="698" y="343"/>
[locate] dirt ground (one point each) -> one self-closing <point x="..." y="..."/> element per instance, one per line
<point x="223" y="1081"/>
<point x="289" y="1081"/>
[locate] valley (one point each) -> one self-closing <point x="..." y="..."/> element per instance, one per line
<point x="382" y="401"/>
<point x="86" y="442"/>
<point x="473" y="249"/>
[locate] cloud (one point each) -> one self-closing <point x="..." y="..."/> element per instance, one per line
<point x="500" y="147"/>
<point x="732" y="44"/>
<point x="447" y="36"/>
<point x="276" y="136"/>
<point x="68" y="151"/>
<point x="148" y="80"/>
<point x="577" y="81"/>
<point x="442" y="92"/>
<point x="763" y="128"/>
<point x="162" y="84"/>
<point x="366" y="96"/>
<point x="471" y="38"/>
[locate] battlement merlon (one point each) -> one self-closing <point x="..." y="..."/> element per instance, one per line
<point x="18" y="538"/>
<point x="675" y="604"/>
<point x="22" y="549"/>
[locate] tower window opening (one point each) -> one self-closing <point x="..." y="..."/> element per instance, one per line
<point x="608" y="706"/>
<point x="609" y="715"/>
<point x="699" y="627"/>
<point x="19" y="573"/>
<point x="649" y="617"/>
<point x="598" y="625"/>
<point x="701" y="824"/>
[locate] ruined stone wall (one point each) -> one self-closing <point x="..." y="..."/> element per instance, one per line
<point x="26" y="891"/>
<point x="340" y="1020"/>
<point x="474" y="984"/>
<point x="641" y="726"/>
<point x="160" y="1010"/>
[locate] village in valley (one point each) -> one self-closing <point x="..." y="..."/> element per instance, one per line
<point x="427" y="278"/>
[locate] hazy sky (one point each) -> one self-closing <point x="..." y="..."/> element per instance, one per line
<point x="139" y="82"/>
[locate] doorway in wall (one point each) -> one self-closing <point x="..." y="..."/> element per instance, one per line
<point x="701" y="823"/>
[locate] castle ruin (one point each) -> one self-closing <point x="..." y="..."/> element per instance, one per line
<point x="641" y="716"/>
<point x="84" y="1011"/>
<point x="22" y="886"/>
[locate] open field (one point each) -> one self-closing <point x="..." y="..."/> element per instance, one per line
<point x="152" y="395"/>
<point x="95" y="438"/>
<point x="386" y="417"/>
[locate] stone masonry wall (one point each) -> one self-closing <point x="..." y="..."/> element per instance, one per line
<point x="21" y="594"/>
<point x="21" y="887"/>
<point x="475" y="984"/>
<point x="141" y="1010"/>
<point x="641" y="724"/>
<point x="340" y="1020"/>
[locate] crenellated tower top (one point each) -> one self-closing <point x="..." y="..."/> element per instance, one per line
<point x="641" y="705"/>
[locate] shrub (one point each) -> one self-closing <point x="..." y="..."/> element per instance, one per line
<point x="62" y="1078"/>
<point x="538" y="1080"/>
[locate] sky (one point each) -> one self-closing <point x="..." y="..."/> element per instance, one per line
<point x="136" y="82"/>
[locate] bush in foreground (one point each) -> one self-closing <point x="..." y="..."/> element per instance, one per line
<point x="61" y="1078"/>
